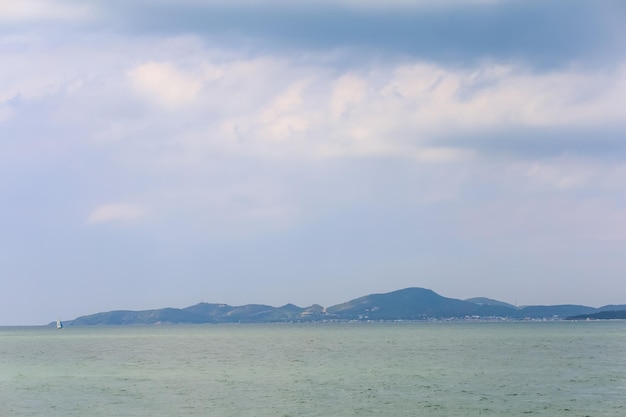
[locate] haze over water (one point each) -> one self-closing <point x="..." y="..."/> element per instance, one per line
<point x="355" y="369"/>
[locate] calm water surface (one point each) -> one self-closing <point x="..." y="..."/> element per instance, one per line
<point x="367" y="369"/>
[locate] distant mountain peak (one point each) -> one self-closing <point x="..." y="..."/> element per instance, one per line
<point x="489" y="302"/>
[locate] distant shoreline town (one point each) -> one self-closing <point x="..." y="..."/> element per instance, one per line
<point x="410" y="304"/>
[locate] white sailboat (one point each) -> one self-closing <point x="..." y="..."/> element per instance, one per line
<point x="59" y="324"/>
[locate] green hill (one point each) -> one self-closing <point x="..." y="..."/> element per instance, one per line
<point x="602" y="315"/>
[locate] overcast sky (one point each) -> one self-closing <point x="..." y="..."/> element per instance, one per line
<point x="159" y="153"/>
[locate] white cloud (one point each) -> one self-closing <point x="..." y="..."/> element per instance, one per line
<point x="116" y="212"/>
<point x="348" y="92"/>
<point x="496" y="96"/>
<point x="25" y="10"/>
<point x="282" y="118"/>
<point x="559" y="175"/>
<point x="165" y="83"/>
<point x="277" y="107"/>
<point x="403" y="110"/>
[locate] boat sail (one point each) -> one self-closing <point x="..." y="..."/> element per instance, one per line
<point x="59" y="324"/>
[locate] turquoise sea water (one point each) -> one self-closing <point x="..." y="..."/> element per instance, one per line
<point x="351" y="369"/>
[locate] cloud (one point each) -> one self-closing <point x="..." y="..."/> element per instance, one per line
<point x="116" y="212"/>
<point x="274" y="106"/>
<point x="348" y="92"/>
<point x="451" y="32"/>
<point x="419" y="109"/>
<point x="42" y="10"/>
<point x="163" y="82"/>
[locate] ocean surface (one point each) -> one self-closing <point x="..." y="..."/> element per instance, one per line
<point x="325" y="369"/>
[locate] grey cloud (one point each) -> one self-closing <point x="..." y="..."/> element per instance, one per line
<point x="543" y="33"/>
<point x="538" y="142"/>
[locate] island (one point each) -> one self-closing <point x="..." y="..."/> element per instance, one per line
<point x="409" y="304"/>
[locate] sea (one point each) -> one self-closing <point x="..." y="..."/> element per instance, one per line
<point x="467" y="369"/>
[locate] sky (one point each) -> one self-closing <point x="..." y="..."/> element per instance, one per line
<point x="163" y="153"/>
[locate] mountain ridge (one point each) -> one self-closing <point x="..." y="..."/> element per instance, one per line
<point x="413" y="303"/>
